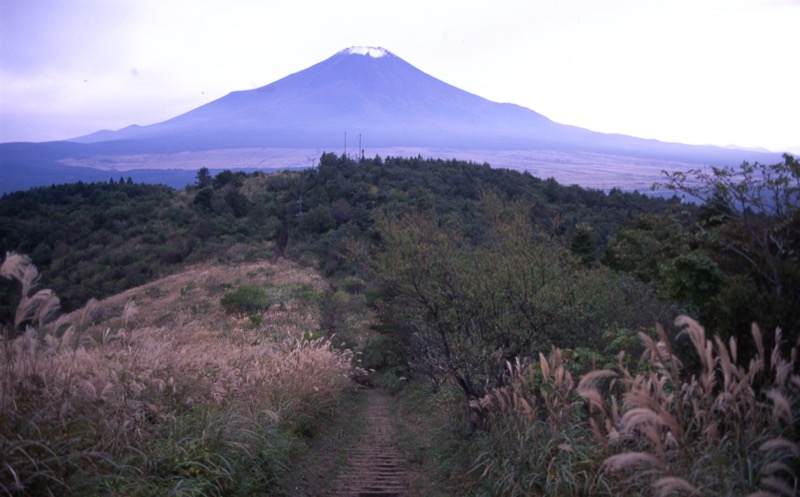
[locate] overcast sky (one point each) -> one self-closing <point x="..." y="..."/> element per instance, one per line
<point x="721" y="72"/>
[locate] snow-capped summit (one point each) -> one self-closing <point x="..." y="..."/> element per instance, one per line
<point x="374" y="52"/>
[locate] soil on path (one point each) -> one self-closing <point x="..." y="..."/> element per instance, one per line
<point x="375" y="467"/>
<point x="357" y="455"/>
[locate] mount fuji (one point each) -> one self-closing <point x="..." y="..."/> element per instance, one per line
<point x="371" y="93"/>
<point x="363" y="90"/>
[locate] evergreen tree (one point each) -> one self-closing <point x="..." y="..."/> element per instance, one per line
<point x="203" y="178"/>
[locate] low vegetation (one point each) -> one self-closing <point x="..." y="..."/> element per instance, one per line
<point x="513" y="318"/>
<point x="163" y="395"/>
<point x="728" y="429"/>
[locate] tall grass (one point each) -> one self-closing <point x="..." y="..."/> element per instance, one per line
<point x="33" y="308"/>
<point x="719" y="428"/>
<point x="535" y="442"/>
<point x="158" y="410"/>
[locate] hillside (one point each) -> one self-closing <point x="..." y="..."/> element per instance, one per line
<point x="94" y="240"/>
<point x="191" y="299"/>
<point x="169" y="386"/>
<point x="537" y="338"/>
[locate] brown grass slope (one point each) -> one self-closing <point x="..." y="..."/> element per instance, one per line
<point x="158" y="391"/>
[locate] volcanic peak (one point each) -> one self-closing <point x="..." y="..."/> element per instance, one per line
<point x="374" y="52"/>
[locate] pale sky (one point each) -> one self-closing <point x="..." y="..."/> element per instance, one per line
<point x="722" y="72"/>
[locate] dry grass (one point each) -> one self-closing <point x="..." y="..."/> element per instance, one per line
<point x="536" y="444"/>
<point x="87" y="410"/>
<point x="727" y="429"/>
<point x="192" y="298"/>
<point x="710" y="432"/>
<point x="34" y="308"/>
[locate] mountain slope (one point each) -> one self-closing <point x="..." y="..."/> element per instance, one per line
<point x="372" y="92"/>
<point x="385" y="98"/>
<point x="360" y="93"/>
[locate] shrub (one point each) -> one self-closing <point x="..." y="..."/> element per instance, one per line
<point x="353" y="284"/>
<point x="246" y="300"/>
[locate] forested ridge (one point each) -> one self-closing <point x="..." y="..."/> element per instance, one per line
<point x="93" y="240"/>
<point x="496" y="288"/>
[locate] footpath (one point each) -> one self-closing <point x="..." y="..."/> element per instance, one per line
<point x="357" y="455"/>
<point x="374" y="467"/>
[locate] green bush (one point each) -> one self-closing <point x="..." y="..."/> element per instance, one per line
<point x="353" y="285"/>
<point x="246" y="300"/>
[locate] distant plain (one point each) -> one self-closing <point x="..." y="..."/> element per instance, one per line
<point x="588" y="169"/>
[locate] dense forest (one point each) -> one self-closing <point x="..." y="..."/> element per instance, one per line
<point x="94" y="240"/>
<point x="475" y="274"/>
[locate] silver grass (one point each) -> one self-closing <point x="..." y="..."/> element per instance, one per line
<point x="636" y="418"/>
<point x="777" y="467"/>
<point x="725" y="362"/>
<point x="778" y="444"/>
<point x="626" y="460"/>
<point x="693" y="329"/>
<point x="14" y="266"/>
<point x="588" y="380"/>
<point x="29" y="307"/>
<point x="545" y="367"/>
<point x="47" y="305"/>
<point x="88" y="310"/>
<point x="669" y="485"/>
<point x="129" y="312"/>
<point x="594" y="398"/>
<point x="780" y="486"/>
<point x="781" y="408"/>
<point x="30" y="276"/>
<point x="759" y="339"/>
<point x="776" y="354"/>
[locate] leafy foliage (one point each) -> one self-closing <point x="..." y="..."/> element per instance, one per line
<point x="464" y="308"/>
<point x="749" y="226"/>
<point x="93" y="240"/>
<point x="246" y="300"/>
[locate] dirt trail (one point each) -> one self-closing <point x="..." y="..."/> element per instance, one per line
<point x="375" y="467"/>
